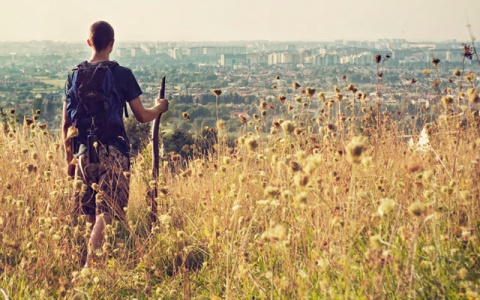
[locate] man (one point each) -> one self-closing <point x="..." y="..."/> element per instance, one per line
<point x="106" y="179"/>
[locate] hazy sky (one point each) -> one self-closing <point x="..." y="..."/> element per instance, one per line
<point x="228" y="20"/>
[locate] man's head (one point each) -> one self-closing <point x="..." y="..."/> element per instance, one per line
<point x="101" y="35"/>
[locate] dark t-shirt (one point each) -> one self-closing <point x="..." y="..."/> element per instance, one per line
<point x="127" y="88"/>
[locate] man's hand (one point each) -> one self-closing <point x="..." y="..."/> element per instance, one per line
<point x="162" y="105"/>
<point x="71" y="170"/>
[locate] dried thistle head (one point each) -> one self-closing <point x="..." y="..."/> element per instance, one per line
<point x="288" y="127"/>
<point x="355" y="148"/>
<point x="473" y="95"/>
<point x="321" y="96"/>
<point x="456" y="73"/>
<point x="377" y="58"/>
<point x="447" y="101"/>
<point x="186" y="116"/>
<point x="277" y="77"/>
<point x="263" y="104"/>
<point x="344" y="77"/>
<point x="426" y="72"/>
<point x="220" y="125"/>
<point x="295" y="85"/>
<point x="217" y="92"/>
<point x="282" y="98"/>
<point x="243" y="119"/>
<point x="435" y="61"/>
<point x="310" y="92"/>
<point x="470" y="77"/>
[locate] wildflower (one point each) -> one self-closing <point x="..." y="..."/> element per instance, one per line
<point x="378" y="58"/>
<point x="344" y="77"/>
<point x="435" y="61"/>
<point x="186" y="116"/>
<point x="220" y="125"/>
<point x="355" y="149"/>
<point x="295" y="85"/>
<point x="339" y="97"/>
<point x="288" y="127"/>
<point x="426" y="72"/>
<point x="387" y="205"/>
<point x="470" y="77"/>
<point x="263" y="113"/>
<point x="447" y="100"/>
<point x="271" y="191"/>
<point x="301" y="179"/>
<point x="417" y="209"/>
<point x="294" y="166"/>
<point x="321" y="96"/>
<point x="274" y="87"/>
<point x="456" y="73"/>
<point x="413" y="164"/>
<point x="243" y="119"/>
<point x="276" y="233"/>
<point x="277" y="77"/>
<point x="336" y="89"/>
<point x="217" y="92"/>
<point x="263" y="104"/>
<point x="165" y="219"/>
<point x="282" y="98"/>
<point x="251" y="143"/>
<point x="473" y="95"/>
<point x="310" y="92"/>
<point x="181" y="234"/>
<point x="302" y="197"/>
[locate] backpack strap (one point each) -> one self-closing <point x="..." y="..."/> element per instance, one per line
<point x="112" y="65"/>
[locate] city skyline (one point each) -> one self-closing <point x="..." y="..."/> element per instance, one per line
<point x="229" y="20"/>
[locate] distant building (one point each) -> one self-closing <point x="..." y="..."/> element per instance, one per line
<point x="233" y="59"/>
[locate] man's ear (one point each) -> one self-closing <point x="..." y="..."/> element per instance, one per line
<point x="90" y="44"/>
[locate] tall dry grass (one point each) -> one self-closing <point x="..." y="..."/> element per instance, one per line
<point x="336" y="207"/>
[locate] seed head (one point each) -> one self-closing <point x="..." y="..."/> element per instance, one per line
<point x="417" y="209"/>
<point x="282" y="98"/>
<point x="447" y="100"/>
<point x="220" y="125"/>
<point x="217" y="92"/>
<point x="377" y="58"/>
<point x="386" y="207"/>
<point x="263" y="104"/>
<point x="456" y="73"/>
<point x="473" y="95"/>
<point x="355" y="149"/>
<point x="295" y="85"/>
<point x="251" y="143"/>
<point x="288" y="127"/>
<point x="310" y="92"/>
<point x="435" y="61"/>
<point x="186" y="116"/>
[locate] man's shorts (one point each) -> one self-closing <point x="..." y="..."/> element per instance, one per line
<point x="106" y="184"/>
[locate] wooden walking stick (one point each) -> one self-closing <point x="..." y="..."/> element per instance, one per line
<point x="153" y="193"/>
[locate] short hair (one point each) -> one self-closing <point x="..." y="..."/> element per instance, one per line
<point x="101" y="34"/>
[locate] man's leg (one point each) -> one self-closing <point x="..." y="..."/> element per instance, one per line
<point x="97" y="236"/>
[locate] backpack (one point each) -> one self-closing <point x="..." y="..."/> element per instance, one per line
<point x="93" y="103"/>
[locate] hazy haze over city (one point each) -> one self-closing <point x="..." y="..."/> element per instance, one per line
<point x="228" y="20"/>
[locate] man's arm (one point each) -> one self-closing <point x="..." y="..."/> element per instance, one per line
<point x="67" y="141"/>
<point x="145" y="115"/>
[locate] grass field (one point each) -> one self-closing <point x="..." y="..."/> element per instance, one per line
<point x="327" y="208"/>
